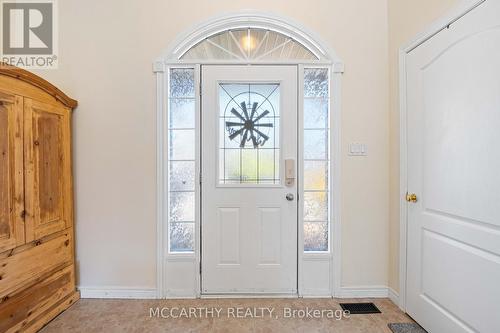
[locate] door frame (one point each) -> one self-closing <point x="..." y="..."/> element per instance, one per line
<point x="438" y="26"/>
<point x="298" y="180"/>
<point x="189" y="262"/>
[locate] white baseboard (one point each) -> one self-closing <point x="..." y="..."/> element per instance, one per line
<point x="150" y="293"/>
<point x="393" y="296"/>
<point x="117" y="292"/>
<point x="249" y="296"/>
<point x="364" y="292"/>
<point x="316" y="296"/>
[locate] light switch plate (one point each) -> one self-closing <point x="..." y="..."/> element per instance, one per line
<point x="358" y="149"/>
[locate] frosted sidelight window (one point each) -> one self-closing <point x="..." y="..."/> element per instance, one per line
<point x="316" y="159"/>
<point x="181" y="157"/>
<point x="249" y="145"/>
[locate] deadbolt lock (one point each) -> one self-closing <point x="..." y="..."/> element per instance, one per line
<point x="411" y="197"/>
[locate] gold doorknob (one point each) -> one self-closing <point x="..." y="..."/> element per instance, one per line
<point x="411" y="197"/>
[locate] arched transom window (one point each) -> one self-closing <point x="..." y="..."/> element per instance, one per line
<point x="249" y="44"/>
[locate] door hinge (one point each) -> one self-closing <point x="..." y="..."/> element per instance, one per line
<point x="23" y="214"/>
<point x="200" y="267"/>
<point x="200" y="178"/>
<point x="200" y="88"/>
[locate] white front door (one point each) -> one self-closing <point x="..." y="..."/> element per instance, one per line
<point x="453" y="103"/>
<point x="249" y="190"/>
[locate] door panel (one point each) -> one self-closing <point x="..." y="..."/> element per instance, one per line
<point x="48" y="169"/>
<point x="269" y="236"/>
<point x="453" y="161"/>
<point x="249" y="228"/>
<point x="11" y="171"/>
<point x="229" y="235"/>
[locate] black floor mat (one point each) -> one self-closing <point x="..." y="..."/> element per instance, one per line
<point x="360" y="308"/>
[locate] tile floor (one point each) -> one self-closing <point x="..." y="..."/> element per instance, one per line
<point x="99" y="315"/>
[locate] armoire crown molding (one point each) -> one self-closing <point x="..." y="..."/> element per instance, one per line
<point x="35" y="80"/>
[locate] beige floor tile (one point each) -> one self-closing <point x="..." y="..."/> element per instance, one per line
<point x="133" y="316"/>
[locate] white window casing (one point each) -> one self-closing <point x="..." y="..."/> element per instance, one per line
<point x="236" y="39"/>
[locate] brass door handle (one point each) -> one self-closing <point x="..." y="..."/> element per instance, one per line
<point x="411" y="197"/>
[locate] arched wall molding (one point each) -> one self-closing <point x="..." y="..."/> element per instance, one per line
<point x="248" y="19"/>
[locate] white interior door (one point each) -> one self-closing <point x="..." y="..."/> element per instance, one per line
<point x="453" y="101"/>
<point x="249" y="205"/>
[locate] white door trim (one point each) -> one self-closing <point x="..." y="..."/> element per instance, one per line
<point x="161" y="66"/>
<point x="443" y="23"/>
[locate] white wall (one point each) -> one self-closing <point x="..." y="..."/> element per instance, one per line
<point x="106" y="52"/>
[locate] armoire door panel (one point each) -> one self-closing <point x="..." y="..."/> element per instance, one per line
<point x="11" y="172"/>
<point x="47" y="168"/>
<point x="50" y="156"/>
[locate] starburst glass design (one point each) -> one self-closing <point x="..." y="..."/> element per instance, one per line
<point x="249" y="44"/>
<point x="249" y="125"/>
<point x="249" y="133"/>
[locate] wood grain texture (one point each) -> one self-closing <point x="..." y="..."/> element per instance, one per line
<point x="20" y="270"/>
<point x="56" y="309"/>
<point x="47" y="169"/>
<point x="5" y="172"/>
<point x="11" y="171"/>
<point x="32" y="244"/>
<point x="19" y="309"/>
<point x="37" y="271"/>
<point x="35" y="80"/>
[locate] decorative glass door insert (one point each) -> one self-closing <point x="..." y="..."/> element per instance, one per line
<point x="249" y="133"/>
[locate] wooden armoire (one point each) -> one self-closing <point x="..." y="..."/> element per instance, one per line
<point x="37" y="267"/>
